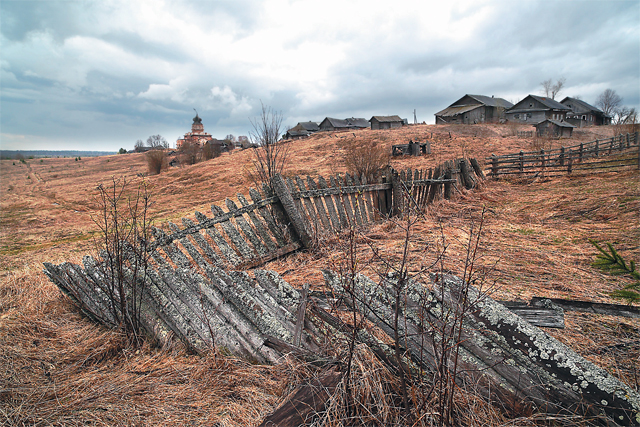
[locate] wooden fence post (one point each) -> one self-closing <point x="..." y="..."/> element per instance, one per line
<point x="521" y="161"/>
<point x="494" y="166"/>
<point x="562" y="156"/>
<point x="298" y="222"/>
<point x="447" y="185"/>
<point x="428" y="147"/>
<point x="542" y="160"/>
<point x="569" y="162"/>
<point x="628" y="142"/>
<point x="611" y="144"/>
<point x="597" y="147"/>
<point x="396" y="193"/>
<point x="466" y="177"/>
<point x="580" y="155"/>
<point x="476" y="168"/>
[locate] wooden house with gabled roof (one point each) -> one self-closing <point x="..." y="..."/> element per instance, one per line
<point x="583" y="114"/>
<point x="331" y="124"/>
<point x="386" y="122"/>
<point x="535" y="109"/>
<point x="472" y="109"/>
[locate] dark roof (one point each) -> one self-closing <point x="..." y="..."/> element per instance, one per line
<point x="358" y="122"/>
<point x="583" y="105"/>
<point x="557" y="123"/>
<point x="455" y="110"/>
<point x="295" y="132"/>
<point x="491" y="101"/>
<point x="310" y="126"/>
<point x="336" y="123"/>
<point x="385" y="119"/>
<point x="548" y="102"/>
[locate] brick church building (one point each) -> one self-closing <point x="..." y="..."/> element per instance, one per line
<point x="197" y="136"/>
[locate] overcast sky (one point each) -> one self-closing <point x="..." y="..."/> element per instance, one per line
<point x="99" y="75"/>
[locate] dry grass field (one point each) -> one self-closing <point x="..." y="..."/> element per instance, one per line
<point x="58" y="368"/>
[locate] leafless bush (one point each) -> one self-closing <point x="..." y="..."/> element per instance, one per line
<point x="365" y="158"/>
<point x="210" y="151"/>
<point x="124" y="223"/>
<point x="189" y="153"/>
<point x="156" y="161"/>
<point x="428" y="394"/>
<point x="271" y="153"/>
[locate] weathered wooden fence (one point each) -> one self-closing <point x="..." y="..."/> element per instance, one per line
<point x="615" y="152"/>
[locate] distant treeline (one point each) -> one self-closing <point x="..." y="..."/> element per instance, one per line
<point x="25" y="154"/>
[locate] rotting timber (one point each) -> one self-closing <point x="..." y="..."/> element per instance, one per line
<point x="193" y="293"/>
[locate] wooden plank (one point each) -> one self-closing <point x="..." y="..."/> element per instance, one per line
<point x="172" y="251"/>
<point x="351" y="204"/>
<point x="546" y="315"/>
<point x="227" y="251"/>
<point x="368" y="201"/>
<point x="281" y="218"/>
<point x="247" y="230"/>
<point x="331" y="208"/>
<point x="274" y="254"/>
<point x="314" y="221"/>
<point x="234" y="235"/>
<point x="339" y="198"/>
<point x="195" y="255"/>
<point x="297" y="334"/>
<point x="591" y="307"/>
<point x="296" y="218"/>
<point x="434" y="188"/>
<point x="204" y="245"/>
<point x="258" y="225"/>
<point x="317" y="201"/>
<point x="305" y="402"/>
<point x="361" y="200"/>
<point x="268" y="218"/>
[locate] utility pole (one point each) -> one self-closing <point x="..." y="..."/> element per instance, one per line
<point x="415" y="121"/>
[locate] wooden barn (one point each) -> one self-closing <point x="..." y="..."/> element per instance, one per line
<point x="554" y="129"/>
<point x="536" y="109"/>
<point x="472" y="109"/>
<point x="583" y="114"/>
<point x="386" y="122"/>
<point x="331" y="124"/>
<point x="302" y="130"/>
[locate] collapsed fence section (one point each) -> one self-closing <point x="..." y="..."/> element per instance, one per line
<point x="622" y="151"/>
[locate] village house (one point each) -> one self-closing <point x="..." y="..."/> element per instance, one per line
<point x="554" y="128"/>
<point x="302" y="130"/>
<point x="535" y="109"/>
<point x="583" y="114"/>
<point x="197" y="136"/>
<point x="331" y="124"/>
<point x="386" y="122"/>
<point x="472" y="109"/>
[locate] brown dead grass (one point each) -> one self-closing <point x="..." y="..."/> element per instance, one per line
<point x="57" y="368"/>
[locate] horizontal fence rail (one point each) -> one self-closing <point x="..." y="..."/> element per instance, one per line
<point x="620" y="151"/>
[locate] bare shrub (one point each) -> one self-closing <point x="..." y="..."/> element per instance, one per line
<point x="366" y="158"/>
<point x="156" y="161"/>
<point x="270" y="153"/>
<point x="189" y="153"/>
<point x="124" y="223"/>
<point x="210" y="151"/>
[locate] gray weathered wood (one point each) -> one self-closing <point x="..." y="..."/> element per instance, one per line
<point x="360" y="200"/>
<point x="268" y="218"/>
<point x="203" y="244"/>
<point x="352" y="198"/>
<point x="328" y="200"/>
<point x="233" y="234"/>
<point x="258" y="225"/>
<point x="314" y="221"/>
<point x="339" y="198"/>
<point x="225" y="249"/>
<point x="317" y="201"/>
<point x="297" y="220"/>
<point x="247" y="230"/>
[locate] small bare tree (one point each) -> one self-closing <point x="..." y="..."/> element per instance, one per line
<point x="608" y="102"/>
<point x="550" y="89"/>
<point x="270" y="154"/>
<point x="366" y="158"/>
<point x="157" y="141"/>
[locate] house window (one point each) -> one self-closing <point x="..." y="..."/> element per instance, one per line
<point x="529" y="115"/>
<point x="584" y="117"/>
<point x="516" y="116"/>
<point x="531" y="105"/>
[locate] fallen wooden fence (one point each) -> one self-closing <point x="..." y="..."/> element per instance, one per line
<point x="617" y="152"/>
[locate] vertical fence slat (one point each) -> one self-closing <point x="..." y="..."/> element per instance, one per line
<point x="317" y="201"/>
<point x="328" y="200"/>
<point x="233" y="233"/>
<point x="204" y="245"/>
<point x="294" y="214"/>
<point x="246" y="229"/>
<point x="257" y="224"/>
<point x="268" y="218"/>
<point x="339" y="198"/>
<point x="227" y="251"/>
<point x="311" y="210"/>
<point x="355" y="205"/>
<point x="360" y="200"/>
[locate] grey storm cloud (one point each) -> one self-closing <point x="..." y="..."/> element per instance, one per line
<point x="102" y="74"/>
